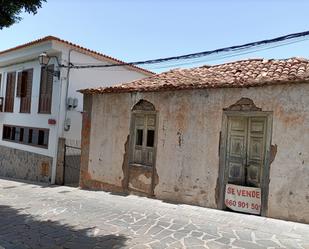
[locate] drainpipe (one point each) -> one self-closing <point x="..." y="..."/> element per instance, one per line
<point x="67" y="123"/>
<point x="55" y="161"/>
<point x="54" y="166"/>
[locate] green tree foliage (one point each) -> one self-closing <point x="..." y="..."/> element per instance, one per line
<point x="11" y="9"/>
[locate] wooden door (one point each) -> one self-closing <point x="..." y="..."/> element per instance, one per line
<point x="255" y="151"/>
<point x="245" y="150"/>
<point x="141" y="165"/>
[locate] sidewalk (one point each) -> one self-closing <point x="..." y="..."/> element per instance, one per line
<point x="41" y="216"/>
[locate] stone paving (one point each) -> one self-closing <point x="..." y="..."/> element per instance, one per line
<point x="41" y="216"/>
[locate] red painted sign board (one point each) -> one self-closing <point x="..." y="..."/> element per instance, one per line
<point x="52" y="121"/>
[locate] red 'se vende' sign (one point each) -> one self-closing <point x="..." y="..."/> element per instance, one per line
<point x="243" y="199"/>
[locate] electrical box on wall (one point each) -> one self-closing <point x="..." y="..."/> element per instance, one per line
<point x="72" y="103"/>
<point x="75" y="102"/>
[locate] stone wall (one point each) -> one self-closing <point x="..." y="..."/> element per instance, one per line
<point x="24" y="165"/>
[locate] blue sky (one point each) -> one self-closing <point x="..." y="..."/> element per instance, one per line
<point x="142" y="29"/>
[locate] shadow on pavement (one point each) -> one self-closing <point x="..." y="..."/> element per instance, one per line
<point x="23" y="231"/>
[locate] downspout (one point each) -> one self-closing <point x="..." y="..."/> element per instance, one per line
<point x="54" y="168"/>
<point x="66" y="124"/>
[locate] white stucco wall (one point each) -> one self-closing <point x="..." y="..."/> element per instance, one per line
<point x="187" y="160"/>
<point x="90" y="78"/>
<point x="26" y="58"/>
<point x="33" y="119"/>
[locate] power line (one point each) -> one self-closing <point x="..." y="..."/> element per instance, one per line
<point x="236" y="48"/>
<point x="224" y="56"/>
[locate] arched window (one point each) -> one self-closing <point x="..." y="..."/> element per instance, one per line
<point x="143" y="129"/>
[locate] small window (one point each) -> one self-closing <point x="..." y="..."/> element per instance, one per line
<point x="139" y="137"/>
<point x="21" y="134"/>
<point x="30" y="133"/>
<point x="13" y="133"/>
<point x="17" y="134"/>
<point x="25" y="135"/>
<point x="6" y="132"/>
<point x="41" y="138"/>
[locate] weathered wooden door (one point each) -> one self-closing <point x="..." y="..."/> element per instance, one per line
<point x="141" y="173"/>
<point x="245" y="152"/>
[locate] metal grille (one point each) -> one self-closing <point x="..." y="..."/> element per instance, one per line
<point x="71" y="169"/>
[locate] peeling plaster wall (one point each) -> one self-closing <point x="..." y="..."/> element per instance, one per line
<point x="140" y="179"/>
<point x="110" y="123"/>
<point x="187" y="159"/>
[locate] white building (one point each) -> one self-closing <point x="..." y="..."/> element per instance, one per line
<point x="41" y="111"/>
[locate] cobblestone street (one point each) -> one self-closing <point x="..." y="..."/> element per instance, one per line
<point x="40" y="216"/>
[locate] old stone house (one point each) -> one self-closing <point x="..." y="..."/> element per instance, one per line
<point x="203" y="135"/>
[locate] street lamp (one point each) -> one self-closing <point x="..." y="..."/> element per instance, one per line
<point x="44" y="59"/>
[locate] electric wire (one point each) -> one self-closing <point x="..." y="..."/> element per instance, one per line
<point x="231" y="49"/>
<point x="223" y="56"/>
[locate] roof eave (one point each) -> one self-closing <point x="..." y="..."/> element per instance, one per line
<point x="190" y="87"/>
<point x="51" y="39"/>
<point x="22" y="54"/>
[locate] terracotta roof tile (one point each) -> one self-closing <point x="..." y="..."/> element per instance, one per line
<point x="78" y="48"/>
<point x="244" y="73"/>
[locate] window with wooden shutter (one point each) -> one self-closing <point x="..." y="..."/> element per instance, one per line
<point x="143" y="134"/>
<point x="10" y="92"/>
<point x="46" y="89"/>
<point x="24" y="90"/>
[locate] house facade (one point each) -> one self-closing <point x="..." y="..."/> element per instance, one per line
<point x="204" y="136"/>
<point x="40" y="108"/>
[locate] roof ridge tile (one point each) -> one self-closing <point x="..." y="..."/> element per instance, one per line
<point x="243" y="73"/>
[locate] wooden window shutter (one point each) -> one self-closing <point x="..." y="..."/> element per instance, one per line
<point x="46" y="89"/>
<point x="22" y="80"/>
<point x="26" y="91"/>
<point x="19" y="82"/>
<point x="9" y="93"/>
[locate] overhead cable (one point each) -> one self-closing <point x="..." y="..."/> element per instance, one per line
<point x="236" y="48"/>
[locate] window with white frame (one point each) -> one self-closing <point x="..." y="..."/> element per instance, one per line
<point x="143" y="129"/>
